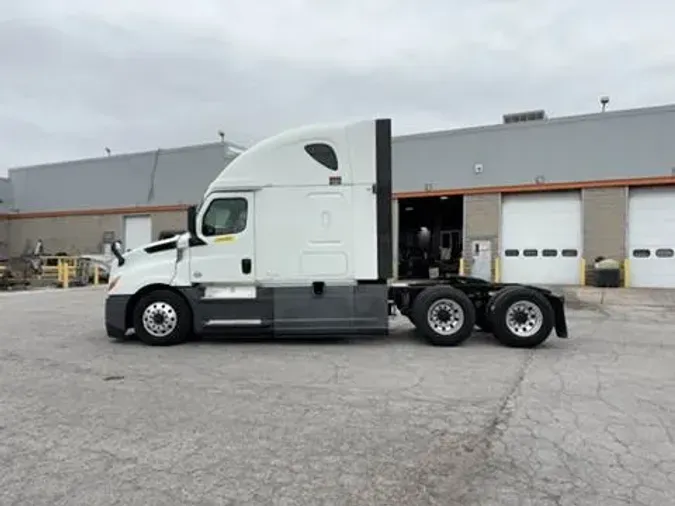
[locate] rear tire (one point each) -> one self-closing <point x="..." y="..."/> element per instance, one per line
<point x="444" y="316"/>
<point x="521" y="317"/>
<point x="162" y="318"/>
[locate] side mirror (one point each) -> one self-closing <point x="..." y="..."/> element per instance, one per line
<point x="115" y="247"/>
<point x="192" y="220"/>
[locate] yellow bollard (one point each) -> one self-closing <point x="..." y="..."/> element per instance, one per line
<point x="461" y="266"/>
<point x="66" y="274"/>
<point x="96" y="275"/>
<point x="582" y="272"/>
<point x="498" y="273"/>
<point x="626" y="273"/>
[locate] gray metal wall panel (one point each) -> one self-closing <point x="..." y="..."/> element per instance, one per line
<point x="621" y="144"/>
<point x="184" y="175"/>
<point x="5" y="195"/>
<point x="88" y="184"/>
<point x="181" y="176"/>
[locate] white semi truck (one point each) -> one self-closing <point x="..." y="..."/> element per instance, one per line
<point x="294" y="237"/>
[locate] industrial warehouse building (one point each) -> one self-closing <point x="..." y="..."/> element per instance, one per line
<point x="531" y="200"/>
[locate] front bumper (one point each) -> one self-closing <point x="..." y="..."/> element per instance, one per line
<point x="116" y="315"/>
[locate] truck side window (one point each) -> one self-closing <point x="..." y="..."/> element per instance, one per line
<point x="225" y="216"/>
<point x="324" y="154"/>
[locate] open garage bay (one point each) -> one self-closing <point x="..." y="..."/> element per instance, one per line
<point x="84" y="420"/>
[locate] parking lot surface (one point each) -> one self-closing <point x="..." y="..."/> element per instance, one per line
<point x="88" y="421"/>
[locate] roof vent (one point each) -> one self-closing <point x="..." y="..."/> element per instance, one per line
<point x="521" y="117"/>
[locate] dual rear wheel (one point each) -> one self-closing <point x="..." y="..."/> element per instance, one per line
<point x="518" y="317"/>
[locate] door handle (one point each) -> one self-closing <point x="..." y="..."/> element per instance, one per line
<point x="246" y="265"/>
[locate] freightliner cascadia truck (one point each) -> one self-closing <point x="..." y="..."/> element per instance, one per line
<point x="294" y="238"/>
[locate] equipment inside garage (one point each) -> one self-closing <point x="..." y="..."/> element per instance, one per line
<point x="541" y="235"/>
<point x="430" y="236"/>
<point x="651" y="237"/>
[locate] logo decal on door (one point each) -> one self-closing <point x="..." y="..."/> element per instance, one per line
<point x="224" y="238"/>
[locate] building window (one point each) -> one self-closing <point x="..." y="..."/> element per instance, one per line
<point x="641" y="253"/>
<point x="225" y="216"/>
<point x="549" y="253"/>
<point x="511" y="253"/>
<point x="324" y="154"/>
<point x="569" y="253"/>
<point x="665" y="253"/>
<point x="529" y="252"/>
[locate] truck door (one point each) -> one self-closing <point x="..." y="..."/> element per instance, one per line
<point x="225" y="225"/>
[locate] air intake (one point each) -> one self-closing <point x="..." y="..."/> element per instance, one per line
<point x="521" y="117"/>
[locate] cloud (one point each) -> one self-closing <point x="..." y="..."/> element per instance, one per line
<point x="132" y="75"/>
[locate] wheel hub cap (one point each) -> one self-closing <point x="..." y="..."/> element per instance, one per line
<point x="159" y="319"/>
<point x="524" y="319"/>
<point x="445" y="317"/>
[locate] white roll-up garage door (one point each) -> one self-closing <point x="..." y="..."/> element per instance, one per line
<point x="540" y="240"/>
<point x="651" y="237"/>
<point x="137" y="231"/>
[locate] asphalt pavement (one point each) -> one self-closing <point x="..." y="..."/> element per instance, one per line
<point x="87" y="421"/>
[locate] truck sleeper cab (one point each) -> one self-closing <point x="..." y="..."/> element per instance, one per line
<point x="294" y="237"/>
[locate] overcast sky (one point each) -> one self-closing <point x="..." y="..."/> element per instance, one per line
<point x="79" y="75"/>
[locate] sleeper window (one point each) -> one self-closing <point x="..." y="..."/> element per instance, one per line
<point x="324" y="154"/>
<point x="225" y="216"/>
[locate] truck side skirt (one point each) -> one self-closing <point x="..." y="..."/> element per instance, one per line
<point x="318" y="309"/>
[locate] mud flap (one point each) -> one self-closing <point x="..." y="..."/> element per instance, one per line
<point x="560" y="322"/>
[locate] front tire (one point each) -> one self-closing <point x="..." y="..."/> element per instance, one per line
<point x="162" y="318"/>
<point x="445" y="316"/>
<point x="521" y="317"/>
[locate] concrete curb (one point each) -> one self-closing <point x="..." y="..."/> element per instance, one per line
<point x="633" y="297"/>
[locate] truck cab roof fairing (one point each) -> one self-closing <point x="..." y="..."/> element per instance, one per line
<point x="282" y="160"/>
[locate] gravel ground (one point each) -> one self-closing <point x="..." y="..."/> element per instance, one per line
<point x="87" y="421"/>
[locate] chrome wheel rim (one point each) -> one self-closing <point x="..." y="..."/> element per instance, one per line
<point x="445" y="317"/>
<point x="524" y="318"/>
<point x="159" y="319"/>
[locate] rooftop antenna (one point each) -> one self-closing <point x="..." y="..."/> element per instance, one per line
<point x="107" y="150"/>
<point x="222" y="135"/>
<point x="603" y="102"/>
